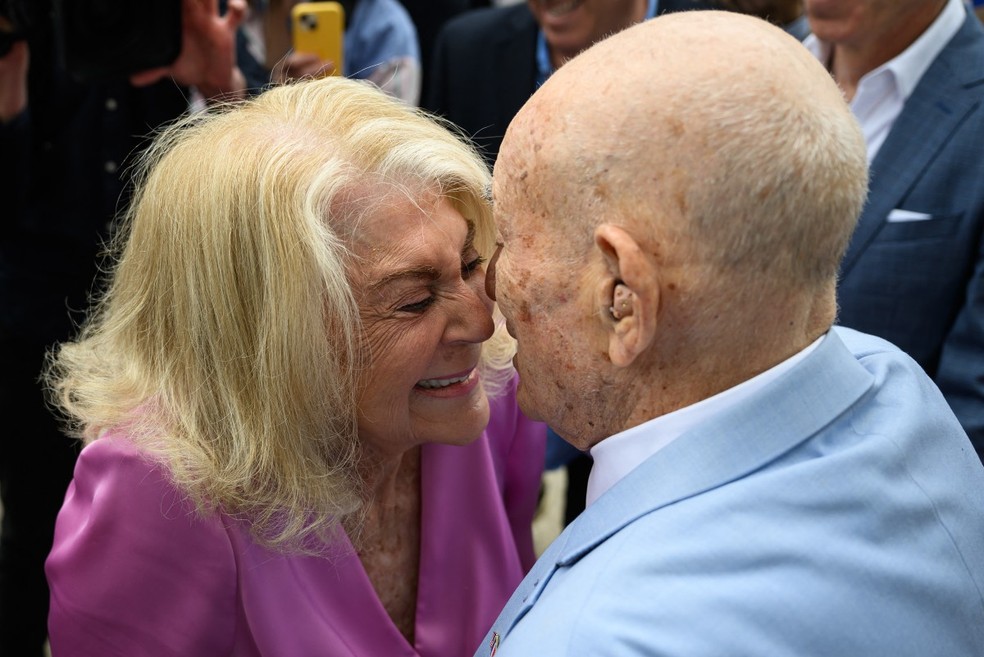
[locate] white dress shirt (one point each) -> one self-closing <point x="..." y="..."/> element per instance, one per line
<point x="616" y="456"/>
<point x="881" y="93"/>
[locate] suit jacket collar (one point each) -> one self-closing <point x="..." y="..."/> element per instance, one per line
<point x="786" y="413"/>
<point x="946" y="94"/>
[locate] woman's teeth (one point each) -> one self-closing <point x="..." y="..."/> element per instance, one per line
<point x="441" y="383"/>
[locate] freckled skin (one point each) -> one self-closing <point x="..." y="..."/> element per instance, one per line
<point x="547" y="303"/>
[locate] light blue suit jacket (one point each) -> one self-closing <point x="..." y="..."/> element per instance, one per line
<point x="840" y="514"/>
<point x="920" y="284"/>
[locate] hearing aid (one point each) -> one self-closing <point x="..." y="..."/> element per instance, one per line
<point x="621" y="302"/>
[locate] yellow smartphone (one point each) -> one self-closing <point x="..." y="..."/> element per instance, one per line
<point x="319" y="27"/>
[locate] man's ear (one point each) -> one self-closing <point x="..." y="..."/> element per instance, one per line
<point x="628" y="294"/>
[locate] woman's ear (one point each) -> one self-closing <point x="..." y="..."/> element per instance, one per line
<point x="628" y="294"/>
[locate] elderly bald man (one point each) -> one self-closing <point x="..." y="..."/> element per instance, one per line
<point x="764" y="484"/>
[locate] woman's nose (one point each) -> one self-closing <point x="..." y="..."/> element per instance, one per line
<point x="472" y="320"/>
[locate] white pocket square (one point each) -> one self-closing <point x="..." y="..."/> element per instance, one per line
<point x="898" y="215"/>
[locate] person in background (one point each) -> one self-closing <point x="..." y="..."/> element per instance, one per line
<point x="914" y="272"/>
<point x="671" y="209"/>
<point x="300" y="423"/>
<point x="787" y="14"/>
<point x="428" y="17"/>
<point x="487" y="62"/>
<point x="380" y="44"/>
<point x="65" y="153"/>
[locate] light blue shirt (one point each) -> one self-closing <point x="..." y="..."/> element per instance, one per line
<point x="381" y="45"/>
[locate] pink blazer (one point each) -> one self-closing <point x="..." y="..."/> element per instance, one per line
<point x="134" y="573"/>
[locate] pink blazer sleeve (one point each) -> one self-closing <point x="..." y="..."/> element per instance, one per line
<point x="133" y="571"/>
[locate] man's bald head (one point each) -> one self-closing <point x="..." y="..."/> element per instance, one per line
<point x="716" y="122"/>
<point x="673" y="205"/>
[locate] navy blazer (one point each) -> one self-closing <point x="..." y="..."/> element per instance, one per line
<point x="483" y="69"/>
<point x="920" y="282"/>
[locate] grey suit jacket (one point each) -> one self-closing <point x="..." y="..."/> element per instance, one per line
<point x="920" y="282"/>
<point x="837" y="512"/>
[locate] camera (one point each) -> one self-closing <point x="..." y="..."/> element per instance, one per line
<point x="100" y="39"/>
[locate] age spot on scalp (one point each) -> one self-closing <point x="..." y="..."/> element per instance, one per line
<point x="676" y="126"/>
<point x="681" y="201"/>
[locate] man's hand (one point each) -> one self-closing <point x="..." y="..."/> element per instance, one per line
<point x="208" y="50"/>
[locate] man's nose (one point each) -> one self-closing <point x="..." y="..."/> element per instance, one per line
<point x="490" y="273"/>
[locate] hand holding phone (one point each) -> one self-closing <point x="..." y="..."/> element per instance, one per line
<point x="317" y="28"/>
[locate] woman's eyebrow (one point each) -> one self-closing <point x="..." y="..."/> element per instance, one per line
<point x="424" y="272"/>
<point x="469" y="237"/>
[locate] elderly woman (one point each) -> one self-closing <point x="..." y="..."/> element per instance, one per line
<point x="285" y="397"/>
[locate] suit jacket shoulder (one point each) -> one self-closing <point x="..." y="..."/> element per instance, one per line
<point x="482" y="71"/>
<point x="670" y="6"/>
<point x="840" y="512"/>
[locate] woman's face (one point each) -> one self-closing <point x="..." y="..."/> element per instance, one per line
<point x="420" y="285"/>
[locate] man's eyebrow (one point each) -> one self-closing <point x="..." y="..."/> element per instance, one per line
<point x="487" y="193"/>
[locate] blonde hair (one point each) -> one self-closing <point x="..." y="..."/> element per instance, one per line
<point x="228" y="342"/>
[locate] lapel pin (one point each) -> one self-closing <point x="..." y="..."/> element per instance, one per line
<point x="494" y="644"/>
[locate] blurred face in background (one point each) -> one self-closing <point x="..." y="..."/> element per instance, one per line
<point x="778" y="12"/>
<point x="570" y="26"/>
<point x="856" y="22"/>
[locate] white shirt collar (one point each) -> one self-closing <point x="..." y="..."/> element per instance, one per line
<point x="616" y="456"/>
<point x="910" y="65"/>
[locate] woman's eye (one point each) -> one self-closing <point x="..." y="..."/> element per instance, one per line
<point x="417" y="306"/>
<point x="468" y="267"/>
